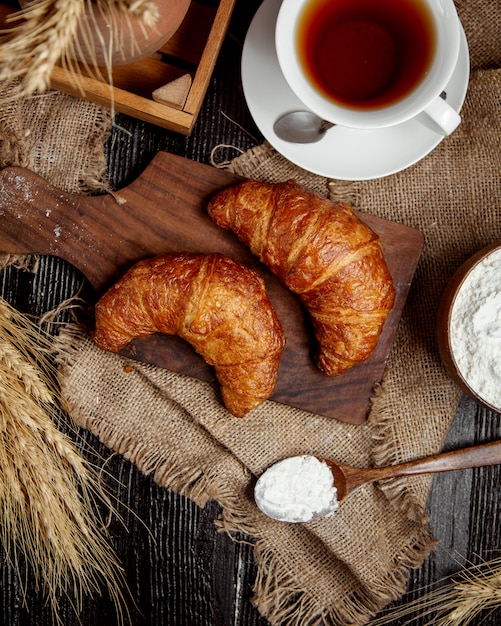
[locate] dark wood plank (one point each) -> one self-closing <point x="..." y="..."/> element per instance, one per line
<point x="464" y="510"/>
<point x="164" y="210"/>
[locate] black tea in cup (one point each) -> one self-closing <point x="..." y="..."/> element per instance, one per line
<point x="366" y="54"/>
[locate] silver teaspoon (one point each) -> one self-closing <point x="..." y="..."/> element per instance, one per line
<point x="301" y="127"/>
<point x="305" y="126"/>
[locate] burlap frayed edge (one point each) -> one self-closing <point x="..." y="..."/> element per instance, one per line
<point x="281" y="602"/>
<point x="265" y="164"/>
<point x="18" y="146"/>
<point x="396" y="489"/>
<point x="95" y="178"/>
<point x="27" y="263"/>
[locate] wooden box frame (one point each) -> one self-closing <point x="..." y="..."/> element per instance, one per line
<point x="192" y="50"/>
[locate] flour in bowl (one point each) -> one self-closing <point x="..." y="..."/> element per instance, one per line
<point x="296" y="489"/>
<point x="476" y="329"/>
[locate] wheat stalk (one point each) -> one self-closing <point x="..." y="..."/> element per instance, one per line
<point x="471" y="592"/>
<point x="48" y="491"/>
<point x="44" y="30"/>
<point x="144" y="9"/>
<point x="44" y="33"/>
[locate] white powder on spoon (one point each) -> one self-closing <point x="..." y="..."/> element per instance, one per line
<point x="296" y="489"/>
<point x="476" y="329"/>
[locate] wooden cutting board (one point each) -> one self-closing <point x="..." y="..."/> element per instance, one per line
<point x="164" y="210"/>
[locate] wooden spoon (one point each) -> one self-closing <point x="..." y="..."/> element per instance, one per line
<point x="348" y="479"/>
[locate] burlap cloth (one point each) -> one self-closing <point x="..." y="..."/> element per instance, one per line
<point x="344" y="569"/>
<point x="57" y="136"/>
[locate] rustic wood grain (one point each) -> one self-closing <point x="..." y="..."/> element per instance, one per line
<point x="164" y="210"/>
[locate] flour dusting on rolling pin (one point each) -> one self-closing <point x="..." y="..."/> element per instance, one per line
<point x="476" y="329"/>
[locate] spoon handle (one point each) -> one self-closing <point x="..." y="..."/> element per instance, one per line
<point x="474" y="456"/>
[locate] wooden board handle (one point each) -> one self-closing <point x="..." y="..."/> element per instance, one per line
<point x="99" y="235"/>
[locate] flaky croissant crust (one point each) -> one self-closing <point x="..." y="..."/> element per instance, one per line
<point x="322" y="252"/>
<point x="216" y="304"/>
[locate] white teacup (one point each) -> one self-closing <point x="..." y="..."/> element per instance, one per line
<point x="363" y="64"/>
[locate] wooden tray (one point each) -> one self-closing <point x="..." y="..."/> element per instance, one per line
<point x="164" y="210"/>
<point x="193" y="49"/>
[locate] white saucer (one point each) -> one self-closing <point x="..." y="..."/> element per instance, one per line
<point x="344" y="153"/>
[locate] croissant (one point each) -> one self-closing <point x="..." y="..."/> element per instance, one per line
<point x="216" y="304"/>
<point x="323" y="253"/>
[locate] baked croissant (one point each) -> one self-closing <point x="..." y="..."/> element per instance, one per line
<point x="322" y="252"/>
<point x="216" y="304"/>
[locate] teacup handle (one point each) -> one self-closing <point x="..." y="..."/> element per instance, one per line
<point x="445" y="117"/>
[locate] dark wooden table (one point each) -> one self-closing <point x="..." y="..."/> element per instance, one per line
<point x="181" y="571"/>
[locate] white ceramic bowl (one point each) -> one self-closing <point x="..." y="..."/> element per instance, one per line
<point x="456" y="330"/>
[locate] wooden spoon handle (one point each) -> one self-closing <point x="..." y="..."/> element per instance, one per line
<point x="475" y="456"/>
